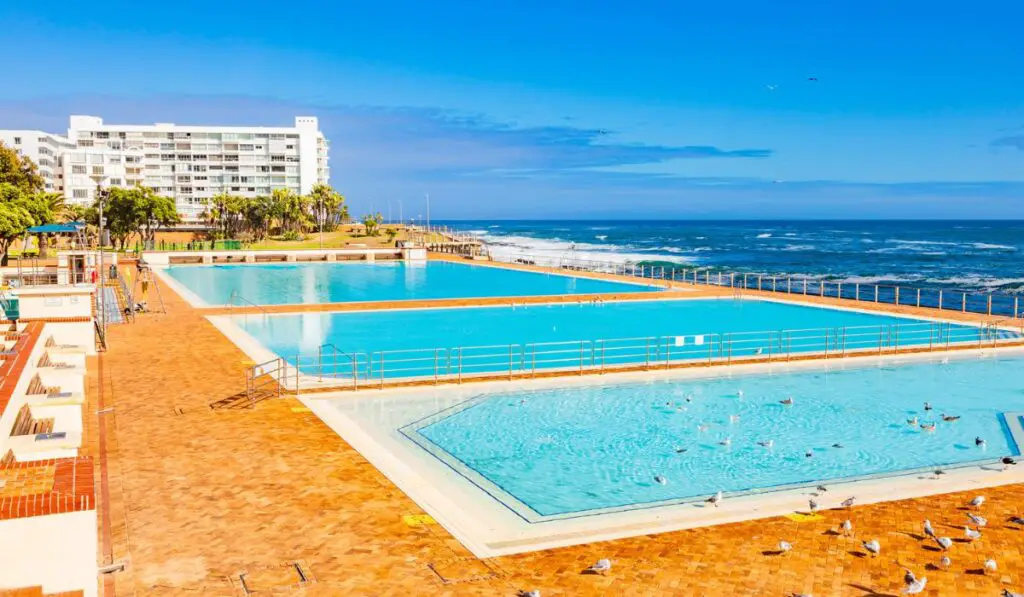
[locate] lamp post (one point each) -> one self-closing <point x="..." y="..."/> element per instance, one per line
<point x="100" y="298"/>
<point x="320" y="216"/>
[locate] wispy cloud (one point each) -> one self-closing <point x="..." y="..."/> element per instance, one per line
<point x="1016" y="141"/>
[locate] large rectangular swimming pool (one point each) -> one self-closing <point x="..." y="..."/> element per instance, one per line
<point x="482" y="339"/>
<point x="585" y="449"/>
<point x="292" y="284"/>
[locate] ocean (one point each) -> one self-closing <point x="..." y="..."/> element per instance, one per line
<point x="972" y="256"/>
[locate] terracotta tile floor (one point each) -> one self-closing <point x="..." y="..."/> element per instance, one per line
<point x="201" y="496"/>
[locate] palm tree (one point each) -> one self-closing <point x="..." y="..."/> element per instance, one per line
<point x="59" y="212"/>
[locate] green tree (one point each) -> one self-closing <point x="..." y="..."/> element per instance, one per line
<point x="18" y="171"/>
<point x="290" y="209"/>
<point x="18" y="212"/>
<point x="372" y="223"/>
<point x="332" y="204"/>
<point x="152" y="212"/>
<point x="120" y="214"/>
<point x="226" y="213"/>
<point x="256" y="216"/>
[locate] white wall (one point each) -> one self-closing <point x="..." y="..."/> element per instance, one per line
<point x="58" y="552"/>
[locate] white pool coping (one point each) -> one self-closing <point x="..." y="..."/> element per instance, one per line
<point x="488" y="528"/>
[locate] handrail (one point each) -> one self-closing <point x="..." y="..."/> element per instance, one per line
<point x="452" y="364"/>
<point x="916" y="296"/>
<point x="235" y="295"/>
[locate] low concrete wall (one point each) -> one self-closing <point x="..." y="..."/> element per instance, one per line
<point x="209" y="257"/>
<point x="54" y="301"/>
<point x="58" y="552"/>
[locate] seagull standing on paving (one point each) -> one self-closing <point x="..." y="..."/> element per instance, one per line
<point x="916" y="587"/>
<point x="971" y="534"/>
<point x="978" y="501"/>
<point x="1009" y="593"/>
<point x="990" y="565"/>
<point x="944" y="542"/>
<point x="848" y="502"/>
<point x="846" y="527"/>
<point x="928" y="530"/>
<point x="872" y="547"/>
<point x="785" y="546"/>
<point x="601" y="566"/>
<point x="979" y="521"/>
<point x="533" y="593"/>
<point x="715" y="499"/>
<point x="945" y="562"/>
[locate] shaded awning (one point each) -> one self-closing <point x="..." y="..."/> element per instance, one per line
<point x="70" y="227"/>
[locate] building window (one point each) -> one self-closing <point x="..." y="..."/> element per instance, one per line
<point x="80" y="193"/>
<point x="17" y="140"/>
<point x="78" y="169"/>
<point x="85" y="142"/>
<point x="115" y="182"/>
<point x="97" y="169"/>
<point x="102" y="135"/>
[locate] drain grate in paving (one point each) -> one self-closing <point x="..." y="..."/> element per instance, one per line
<point x="462" y="570"/>
<point x="283" y="578"/>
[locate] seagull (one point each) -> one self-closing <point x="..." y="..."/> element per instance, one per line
<point x="945" y="562"/>
<point x="715" y="499"/>
<point x="927" y="405"/>
<point x="734" y="419"/>
<point x="928" y="426"/>
<point x="813" y="79"/>
<point x="739" y="393"/>
<point x="533" y="593"/>
<point x="766" y="443"/>
<point x="1009" y="593"/>
<point x="872" y="547"/>
<point x="979" y="442"/>
<point x="726" y="442"/>
<point x="1008" y="461"/>
<point x="703" y="427"/>
<point x="977" y="501"/>
<point x="601" y="566"/>
<point x="846" y="527"/>
<point x="1016" y="520"/>
<point x="837" y="445"/>
<point x="908" y="576"/>
<point x="916" y="587"/>
<point x="939" y="471"/>
<point x="944" y="542"/>
<point x="771" y="87"/>
<point x="928" y="530"/>
<point x="848" y="502"/>
<point x="759" y="351"/>
<point x="660" y="480"/>
<point x="785" y="546"/>
<point x="787" y="402"/>
<point x="681" y="450"/>
<point x="912" y="422"/>
<point x="809" y="453"/>
<point x="971" y="534"/>
<point x="812" y="506"/>
<point x="990" y="565"/>
<point x="979" y="521"/>
<point x="950" y="418"/>
<point x="822" y="488"/>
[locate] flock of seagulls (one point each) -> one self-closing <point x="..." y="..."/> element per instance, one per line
<point x="912" y="584"/>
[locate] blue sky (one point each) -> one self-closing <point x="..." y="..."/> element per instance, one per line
<point x="570" y="109"/>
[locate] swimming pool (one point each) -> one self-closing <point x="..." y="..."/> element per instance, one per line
<point x="571" y="451"/>
<point x="417" y="342"/>
<point x="291" y="283"/>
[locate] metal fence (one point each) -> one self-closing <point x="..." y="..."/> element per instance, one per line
<point x="332" y="368"/>
<point x="990" y="303"/>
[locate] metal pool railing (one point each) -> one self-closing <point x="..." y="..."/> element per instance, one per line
<point x="332" y="368"/>
<point x="985" y="303"/>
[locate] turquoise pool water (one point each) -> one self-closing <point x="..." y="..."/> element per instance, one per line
<point x="288" y="284"/>
<point x="571" y="451"/>
<point x="687" y="329"/>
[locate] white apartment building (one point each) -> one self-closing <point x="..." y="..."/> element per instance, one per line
<point x="189" y="163"/>
<point x="42" y="148"/>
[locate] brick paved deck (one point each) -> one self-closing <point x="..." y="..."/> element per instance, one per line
<point x="200" y="495"/>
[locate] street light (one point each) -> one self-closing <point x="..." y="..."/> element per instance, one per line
<point x="100" y="298"/>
